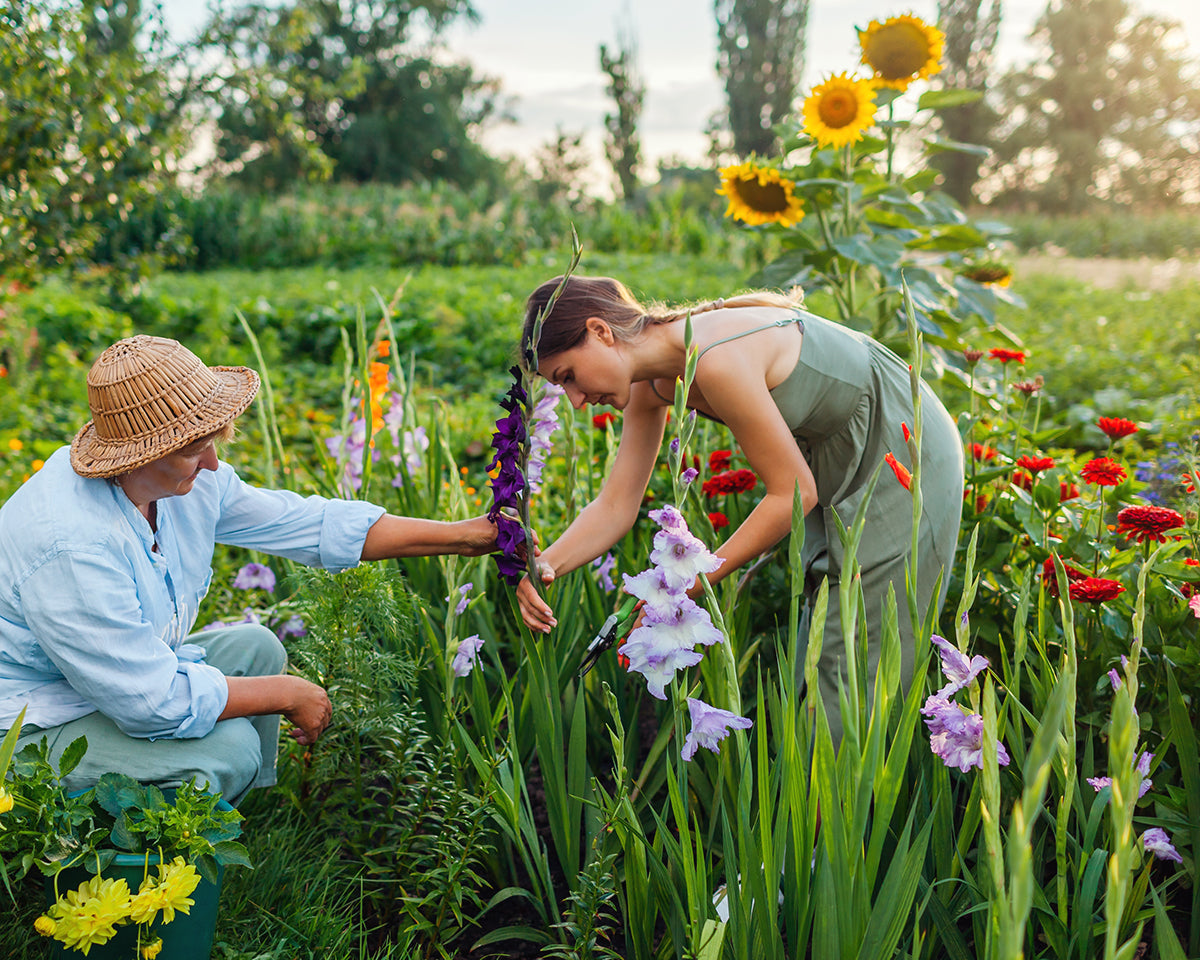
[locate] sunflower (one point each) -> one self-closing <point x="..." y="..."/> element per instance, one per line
<point x="902" y="49"/>
<point x="759" y="195"/>
<point x="838" y="111"/>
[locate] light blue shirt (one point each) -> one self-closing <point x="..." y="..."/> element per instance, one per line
<point x="92" y="617"/>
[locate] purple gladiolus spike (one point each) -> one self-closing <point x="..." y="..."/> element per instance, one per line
<point x="956" y="736"/>
<point x="681" y="557"/>
<point x="463" y="598"/>
<point x="688" y="475"/>
<point x="650" y="587"/>
<point x="255" y="575"/>
<point x="710" y="725"/>
<point x="604" y="569"/>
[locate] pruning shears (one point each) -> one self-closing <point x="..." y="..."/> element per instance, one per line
<point x="615" y="626"/>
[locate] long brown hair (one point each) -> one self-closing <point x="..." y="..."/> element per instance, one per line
<point x="610" y="300"/>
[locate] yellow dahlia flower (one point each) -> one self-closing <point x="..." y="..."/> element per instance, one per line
<point x="87" y="917"/>
<point x="902" y="49"/>
<point x="759" y="195"/>
<point x="152" y="949"/>
<point x="44" y="926"/>
<point x="839" y="111"/>
<point x="171" y="890"/>
<point x="6" y="800"/>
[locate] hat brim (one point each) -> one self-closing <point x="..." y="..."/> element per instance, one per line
<point x="93" y="456"/>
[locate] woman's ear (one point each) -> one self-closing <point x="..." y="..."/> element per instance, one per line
<point x="602" y="330"/>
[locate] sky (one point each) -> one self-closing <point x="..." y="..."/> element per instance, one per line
<point x="546" y="55"/>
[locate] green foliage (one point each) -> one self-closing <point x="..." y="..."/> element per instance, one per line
<point x="322" y="88"/>
<point x="1097" y="115"/>
<point x="89" y="123"/>
<point x="1109" y="232"/>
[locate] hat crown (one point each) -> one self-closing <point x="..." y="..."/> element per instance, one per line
<point x="143" y="384"/>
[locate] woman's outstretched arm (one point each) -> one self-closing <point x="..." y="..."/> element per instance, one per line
<point x="610" y="516"/>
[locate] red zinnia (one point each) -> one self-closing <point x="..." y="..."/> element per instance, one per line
<point x="1067" y="491"/>
<point x="1142" y="523"/>
<point x="1095" y="590"/>
<point x="981" y="451"/>
<point x="1117" y="427"/>
<point x="732" y="481"/>
<point x="718" y="460"/>
<point x="1035" y="464"/>
<point x="1005" y="355"/>
<point x="1074" y="575"/>
<point x="1103" y="472"/>
<point x="601" y="420"/>
<point x="900" y="470"/>
<point x="718" y="520"/>
<point x="1022" y="479"/>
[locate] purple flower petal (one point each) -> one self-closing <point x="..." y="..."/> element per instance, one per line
<point x="958" y="669"/>
<point x="255" y="576"/>
<point x="1158" y="842"/>
<point x="466" y="655"/>
<point x="710" y="725"/>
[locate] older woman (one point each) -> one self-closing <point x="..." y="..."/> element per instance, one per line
<point x="106" y="553"/>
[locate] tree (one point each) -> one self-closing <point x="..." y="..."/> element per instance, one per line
<point x="92" y="117"/>
<point x="760" y="56"/>
<point x="340" y="87"/>
<point x="971" y="33"/>
<point x="1110" y="110"/>
<point x="623" y="146"/>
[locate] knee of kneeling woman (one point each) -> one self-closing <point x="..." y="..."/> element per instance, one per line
<point x="231" y="760"/>
<point x="266" y="654"/>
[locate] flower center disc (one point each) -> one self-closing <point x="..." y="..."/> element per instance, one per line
<point x="838" y="108"/>
<point x="765" y="198"/>
<point x="898" y="51"/>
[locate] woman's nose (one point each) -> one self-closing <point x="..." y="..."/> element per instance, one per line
<point x="576" y="397"/>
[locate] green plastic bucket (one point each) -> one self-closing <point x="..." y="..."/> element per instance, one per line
<point x="188" y="937"/>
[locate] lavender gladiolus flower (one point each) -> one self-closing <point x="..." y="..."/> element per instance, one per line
<point x="466" y="655"/>
<point x="1143" y="767"/>
<point x="663" y="645"/>
<point x="545" y="423"/>
<point x="255" y="575"/>
<point x="293" y="626"/>
<point x="1158" y="842"/>
<point x="604" y="568"/>
<point x="463" y="599"/>
<point x="710" y="725"/>
<point x="688" y="475"/>
<point x="958" y="669"/>
<point x="956" y="736"/>
<point x="675" y="445"/>
<point x="650" y="586"/>
<point x="681" y="557"/>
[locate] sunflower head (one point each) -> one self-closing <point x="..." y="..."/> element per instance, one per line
<point x="759" y="194"/>
<point x="902" y="49"/>
<point x="839" y="111"/>
<point x="987" y="272"/>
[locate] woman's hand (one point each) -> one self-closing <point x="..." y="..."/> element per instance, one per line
<point x="478" y="536"/>
<point x="309" y="709"/>
<point x="535" y="611"/>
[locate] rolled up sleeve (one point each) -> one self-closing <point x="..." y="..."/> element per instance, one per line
<point x="85" y="612"/>
<point x="313" y="530"/>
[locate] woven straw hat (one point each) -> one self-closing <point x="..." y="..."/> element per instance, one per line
<point x="149" y="397"/>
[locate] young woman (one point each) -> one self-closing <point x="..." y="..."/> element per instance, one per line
<point x="807" y="400"/>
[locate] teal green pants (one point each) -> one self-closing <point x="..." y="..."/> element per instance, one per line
<point x="237" y="755"/>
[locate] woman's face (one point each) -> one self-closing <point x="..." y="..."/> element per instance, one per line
<point x="593" y="371"/>
<point x="174" y="474"/>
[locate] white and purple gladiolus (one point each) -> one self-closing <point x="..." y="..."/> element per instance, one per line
<point x="1157" y="841"/>
<point x="347" y="451"/>
<point x="957" y="736"/>
<point x="959" y="670"/>
<point x="255" y="576"/>
<point x="710" y="725"/>
<point x="466" y="655"/>
<point x="672" y="624"/>
<point x="544" y="423"/>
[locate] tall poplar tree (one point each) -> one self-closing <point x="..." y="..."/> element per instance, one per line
<point x="760" y="56"/>
<point x="972" y="28"/>
<point x="623" y="145"/>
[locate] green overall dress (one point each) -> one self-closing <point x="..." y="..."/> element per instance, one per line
<point x="844" y="402"/>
